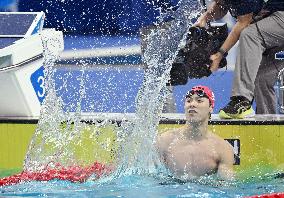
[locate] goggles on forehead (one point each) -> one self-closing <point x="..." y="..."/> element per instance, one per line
<point x="199" y="92"/>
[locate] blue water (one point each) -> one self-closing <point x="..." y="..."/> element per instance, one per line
<point x="138" y="186"/>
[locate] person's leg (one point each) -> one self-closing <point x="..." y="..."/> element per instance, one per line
<point x="265" y="98"/>
<point x="251" y="48"/>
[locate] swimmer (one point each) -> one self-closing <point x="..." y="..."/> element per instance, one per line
<point x="193" y="151"/>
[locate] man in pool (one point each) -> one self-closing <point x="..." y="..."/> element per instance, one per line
<point x="193" y="151"/>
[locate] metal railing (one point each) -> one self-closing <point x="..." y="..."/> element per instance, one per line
<point x="280" y="84"/>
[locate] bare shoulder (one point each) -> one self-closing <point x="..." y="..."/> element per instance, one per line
<point x="166" y="137"/>
<point x="222" y="144"/>
<point x="226" y="158"/>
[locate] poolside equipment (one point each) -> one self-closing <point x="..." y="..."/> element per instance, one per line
<point x="21" y="62"/>
<point x="193" y="58"/>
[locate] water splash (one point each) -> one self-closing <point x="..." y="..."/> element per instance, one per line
<point x="61" y="139"/>
<point x="57" y="129"/>
<point x="138" y="153"/>
<point x="59" y="132"/>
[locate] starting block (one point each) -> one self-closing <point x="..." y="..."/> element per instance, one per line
<point x="21" y="63"/>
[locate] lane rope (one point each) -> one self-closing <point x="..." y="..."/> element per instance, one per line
<point x="71" y="173"/>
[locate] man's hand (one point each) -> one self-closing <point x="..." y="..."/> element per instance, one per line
<point x="216" y="11"/>
<point x="201" y="22"/>
<point x="216" y="59"/>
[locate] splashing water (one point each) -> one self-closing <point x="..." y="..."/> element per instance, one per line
<point x="57" y="130"/>
<point x="138" y="153"/>
<point x="37" y="156"/>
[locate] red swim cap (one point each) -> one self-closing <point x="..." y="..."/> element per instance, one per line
<point x="202" y="91"/>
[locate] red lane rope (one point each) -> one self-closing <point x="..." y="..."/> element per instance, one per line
<point x="79" y="174"/>
<point x="70" y="173"/>
<point x="274" y="195"/>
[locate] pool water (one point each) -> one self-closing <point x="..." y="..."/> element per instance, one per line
<point x="159" y="55"/>
<point x="144" y="186"/>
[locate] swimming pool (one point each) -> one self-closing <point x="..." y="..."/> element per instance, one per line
<point x="260" y="150"/>
<point x="145" y="186"/>
<point x="136" y="186"/>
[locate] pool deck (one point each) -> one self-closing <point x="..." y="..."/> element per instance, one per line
<point x="166" y="118"/>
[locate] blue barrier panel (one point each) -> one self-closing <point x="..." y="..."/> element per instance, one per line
<point x="115" y="89"/>
<point x="96" y="16"/>
<point x="80" y="16"/>
<point x="5" y="3"/>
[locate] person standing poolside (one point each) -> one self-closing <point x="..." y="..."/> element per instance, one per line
<point x="259" y="30"/>
<point x="192" y="150"/>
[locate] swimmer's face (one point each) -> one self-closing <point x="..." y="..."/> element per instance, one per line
<point x="197" y="108"/>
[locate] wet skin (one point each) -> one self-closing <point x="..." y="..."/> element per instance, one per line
<point x="192" y="151"/>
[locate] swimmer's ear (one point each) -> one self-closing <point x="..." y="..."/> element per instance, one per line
<point x="211" y="109"/>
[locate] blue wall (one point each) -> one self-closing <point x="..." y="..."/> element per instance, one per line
<point x="97" y="16"/>
<point x="115" y="90"/>
<point x="111" y="90"/>
<point x="7" y="5"/>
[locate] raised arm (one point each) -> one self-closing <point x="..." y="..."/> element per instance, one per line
<point x="216" y="11"/>
<point x="242" y="22"/>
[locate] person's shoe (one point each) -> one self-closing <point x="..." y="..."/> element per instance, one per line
<point x="238" y="108"/>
